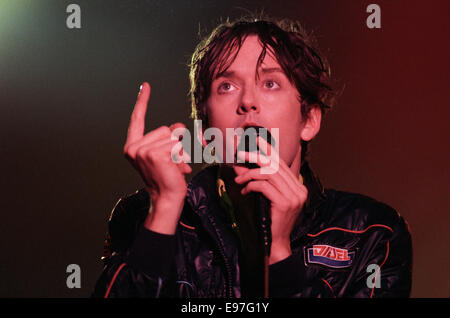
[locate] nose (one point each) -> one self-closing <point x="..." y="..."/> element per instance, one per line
<point x="248" y="102"/>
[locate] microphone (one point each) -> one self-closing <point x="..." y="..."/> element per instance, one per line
<point x="262" y="204"/>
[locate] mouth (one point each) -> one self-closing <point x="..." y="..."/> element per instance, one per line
<point x="249" y="124"/>
<point x="247" y="130"/>
<point x="247" y="141"/>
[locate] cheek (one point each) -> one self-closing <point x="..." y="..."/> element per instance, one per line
<point x="286" y="115"/>
<point x="222" y="116"/>
<point x="289" y="122"/>
<point x="219" y="113"/>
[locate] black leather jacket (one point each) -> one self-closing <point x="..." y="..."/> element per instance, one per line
<point x="340" y="243"/>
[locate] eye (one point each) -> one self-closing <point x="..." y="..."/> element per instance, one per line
<point x="270" y="84"/>
<point x="226" y="87"/>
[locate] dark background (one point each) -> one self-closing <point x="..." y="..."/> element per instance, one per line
<point x="66" y="96"/>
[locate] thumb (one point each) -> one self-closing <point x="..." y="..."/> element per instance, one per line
<point x="184" y="168"/>
<point x="177" y="125"/>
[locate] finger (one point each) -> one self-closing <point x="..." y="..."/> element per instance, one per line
<point x="171" y="149"/>
<point x="291" y="178"/>
<point x="164" y="142"/>
<point x="285" y="171"/>
<point x="254" y="157"/>
<point x="267" y="148"/>
<point x="177" y="131"/>
<point x="181" y="160"/>
<point x="251" y="174"/>
<point x="267" y="189"/>
<point x="174" y="130"/>
<point x="157" y="152"/>
<point x="163" y="152"/>
<point x="175" y="153"/>
<point x="264" y="146"/>
<point x="159" y="134"/>
<point x="239" y="169"/>
<point x="283" y="180"/>
<point x="184" y="168"/>
<point x="276" y="179"/>
<point x="176" y="125"/>
<point x="185" y="157"/>
<point x="137" y="122"/>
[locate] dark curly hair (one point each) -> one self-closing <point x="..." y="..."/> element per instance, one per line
<point x="293" y="48"/>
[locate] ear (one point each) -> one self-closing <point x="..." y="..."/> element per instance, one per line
<point x="312" y="125"/>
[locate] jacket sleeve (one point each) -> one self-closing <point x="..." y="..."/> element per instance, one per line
<point x="288" y="279"/>
<point x="387" y="271"/>
<point x="141" y="260"/>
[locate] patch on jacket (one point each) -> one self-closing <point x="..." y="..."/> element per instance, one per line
<point x="330" y="256"/>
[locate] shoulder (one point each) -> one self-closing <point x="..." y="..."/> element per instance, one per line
<point x="131" y="205"/>
<point x="126" y="216"/>
<point x="359" y="212"/>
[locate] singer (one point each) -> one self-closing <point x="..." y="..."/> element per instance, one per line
<point x="204" y="238"/>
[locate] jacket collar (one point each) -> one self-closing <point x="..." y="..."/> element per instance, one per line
<point x="203" y="199"/>
<point x="203" y="186"/>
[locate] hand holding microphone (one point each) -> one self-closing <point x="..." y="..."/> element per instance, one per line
<point x="286" y="194"/>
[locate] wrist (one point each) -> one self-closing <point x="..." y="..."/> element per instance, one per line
<point x="168" y="202"/>
<point x="279" y="251"/>
<point x="163" y="215"/>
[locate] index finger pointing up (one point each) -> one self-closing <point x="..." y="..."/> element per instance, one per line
<point x="137" y="121"/>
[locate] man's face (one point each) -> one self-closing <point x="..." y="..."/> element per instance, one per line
<point x="239" y="97"/>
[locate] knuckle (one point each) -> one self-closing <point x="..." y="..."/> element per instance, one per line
<point x="256" y="185"/>
<point x="285" y="205"/>
<point x="292" y="204"/>
<point x="128" y="153"/>
<point x="250" y="185"/>
<point x="165" y="130"/>
<point x="302" y="196"/>
<point x="141" y="153"/>
<point x="151" y="156"/>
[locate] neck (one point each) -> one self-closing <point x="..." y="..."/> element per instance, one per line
<point x="296" y="163"/>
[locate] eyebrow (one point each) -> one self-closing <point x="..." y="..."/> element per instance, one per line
<point x="272" y="70"/>
<point x="226" y="74"/>
<point x="229" y="74"/>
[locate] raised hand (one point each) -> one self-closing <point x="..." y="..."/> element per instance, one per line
<point x="151" y="156"/>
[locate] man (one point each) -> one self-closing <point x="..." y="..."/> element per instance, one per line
<point x="202" y="239"/>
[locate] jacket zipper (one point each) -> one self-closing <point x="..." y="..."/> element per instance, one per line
<point x="225" y="260"/>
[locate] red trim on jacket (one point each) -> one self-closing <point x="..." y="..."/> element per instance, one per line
<point x="187" y="226"/>
<point x="329" y="286"/>
<point x="351" y="231"/>
<point x="114" y="278"/>
<point x="379" y="269"/>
